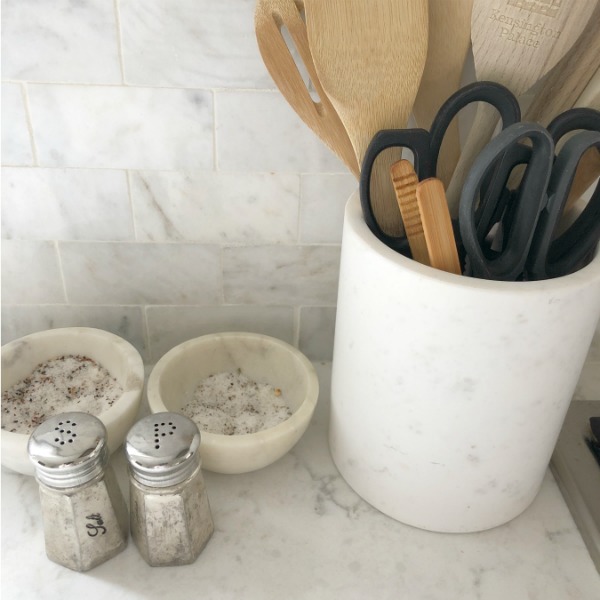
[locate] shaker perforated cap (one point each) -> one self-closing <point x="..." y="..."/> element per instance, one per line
<point x="68" y="449"/>
<point x="163" y="449"/>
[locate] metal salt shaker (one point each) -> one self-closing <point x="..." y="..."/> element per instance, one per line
<point x="83" y="510"/>
<point x="170" y="515"/>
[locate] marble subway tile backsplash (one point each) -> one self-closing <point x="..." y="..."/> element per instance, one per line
<point x="155" y="183"/>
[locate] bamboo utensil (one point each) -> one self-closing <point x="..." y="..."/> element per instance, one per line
<point x="405" y="183"/>
<point x="449" y="41"/>
<point x="567" y="81"/>
<point x="515" y="47"/>
<point x="437" y="226"/>
<point x="269" y="18"/>
<point x="369" y="58"/>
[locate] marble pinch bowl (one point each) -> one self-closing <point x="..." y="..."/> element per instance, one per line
<point x="262" y="359"/>
<point x="20" y="358"/>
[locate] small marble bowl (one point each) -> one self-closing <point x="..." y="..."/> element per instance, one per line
<point x="262" y="359"/>
<point x="20" y="358"/>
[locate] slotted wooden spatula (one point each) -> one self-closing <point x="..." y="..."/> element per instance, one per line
<point x="515" y="44"/>
<point x="269" y="18"/>
<point x="449" y="41"/>
<point x="369" y="57"/>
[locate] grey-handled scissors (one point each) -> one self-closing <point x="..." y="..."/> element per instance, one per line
<point x="425" y="145"/>
<point x="529" y="249"/>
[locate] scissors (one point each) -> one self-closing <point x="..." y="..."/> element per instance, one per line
<point x="530" y="250"/>
<point x="425" y="145"/>
<point x="496" y="208"/>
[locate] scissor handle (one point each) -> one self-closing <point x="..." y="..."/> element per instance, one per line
<point x="417" y="141"/>
<point x="499" y="96"/>
<point x="551" y="257"/>
<point x="572" y="120"/>
<point x="509" y="264"/>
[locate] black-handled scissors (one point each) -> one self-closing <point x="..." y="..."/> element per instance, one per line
<point x="529" y="249"/>
<point x="425" y="145"/>
<point x="495" y="210"/>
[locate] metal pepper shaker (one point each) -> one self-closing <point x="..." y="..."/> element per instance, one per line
<point x="170" y="516"/>
<point x="83" y="510"/>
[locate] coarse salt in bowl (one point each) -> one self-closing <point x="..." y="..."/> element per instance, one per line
<point x="122" y="361"/>
<point x="263" y="360"/>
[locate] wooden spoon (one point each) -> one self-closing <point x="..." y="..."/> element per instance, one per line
<point x="515" y="47"/>
<point x="449" y="42"/>
<point x="369" y="58"/>
<point x="269" y="18"/>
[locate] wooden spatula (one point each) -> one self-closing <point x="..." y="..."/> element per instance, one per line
<point x="449" y="41"/>
<point x="369" y="57"/>
<point x="515" y="47"/>
<point x="405" y="183"/>
<point x="269" y="19"/>
<point x="437" y="226"/>
<point x="563" y="85"/>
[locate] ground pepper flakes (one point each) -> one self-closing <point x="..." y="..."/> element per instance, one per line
<point x="67" y="383"/>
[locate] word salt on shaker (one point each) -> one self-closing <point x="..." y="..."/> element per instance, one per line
<point x="83" y="510"/>
<point x="170" y="516"/>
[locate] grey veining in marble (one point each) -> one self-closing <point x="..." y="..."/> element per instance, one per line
<point x="281" y="275"/>
<point x="62" y="41"/>
<point x="215" y="207"/>
<point x="125" y="273"/>
<point x="65" y="204"/>
<point x="191" y="44"/>
<point x="296" y="530"/>
<point x="133" y="128"/>
<point x="16" y="145"/>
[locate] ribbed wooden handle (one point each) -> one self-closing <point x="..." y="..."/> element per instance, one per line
<point x="405" y="183"/>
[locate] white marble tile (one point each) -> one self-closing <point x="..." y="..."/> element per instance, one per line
<point x="259" y="131"/>
<point x="281" y="275"/>
<point x="60" y="41"/>
<point x="317" y="327"/>
<point x="122" y="127"/>
<point x="125" y="273"/>
<point x="66" y="204"/>
<point x="172" y="325"/>
<point x="125" y="321"/>
<point x="215" y="208"/>
<point x="31" y="273"/>
<point x="16" y="142"/>
<point x="192" y="43"/>
<point x="323" y="198"/>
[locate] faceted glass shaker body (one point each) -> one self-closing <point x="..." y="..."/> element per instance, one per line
<point x="171" y="526"/>
<point x="84" y="527"/>
<point x="170" y="515"/>
<point x="84" y="514"/>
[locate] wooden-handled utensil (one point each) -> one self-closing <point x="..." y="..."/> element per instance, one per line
<point x="269" y="18"/>
<point x="369" y="57"/>
<point x="515" y="47"/>
<point x="405" y="183"/>
<point x="437" y="226"/>
<point x="566" y="82"/>
<point x="449" y="41"/>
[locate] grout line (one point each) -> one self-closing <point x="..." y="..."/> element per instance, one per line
<point x="296" y="326"/>
<point x="25" y="97"/>
<point x="146" y="332"/>
<point x="119" y="41"/>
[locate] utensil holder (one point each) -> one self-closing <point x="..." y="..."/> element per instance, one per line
<point x="448" y="392"/>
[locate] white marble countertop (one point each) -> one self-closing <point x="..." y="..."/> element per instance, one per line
<point x="296" y="530"/>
